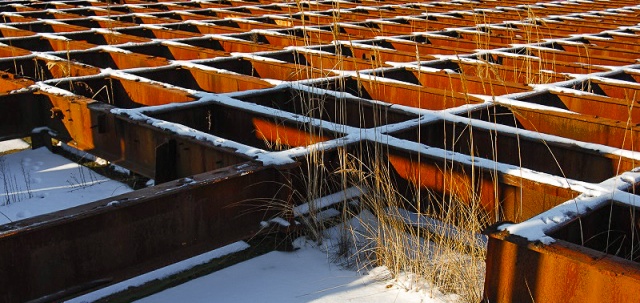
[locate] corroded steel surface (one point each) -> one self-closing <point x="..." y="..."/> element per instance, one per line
<point x="521" y="271"/>
<point x="126" y="235"/>
<point x="520" y="105"/>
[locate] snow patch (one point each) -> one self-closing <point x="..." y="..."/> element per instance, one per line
<point x="15" y="144"/>
<point x="162" y="272"/>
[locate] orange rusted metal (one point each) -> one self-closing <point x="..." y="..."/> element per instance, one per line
<point x="568" y="125"/>
<point x="40" y="44"/>
<point x="268" y="70"/>
<point x="10" y="82"/>
<point x="542" y="155"/>
<point x="532" y="73"/>
<point x="205" y="80"/>
<point x="284" y="136"/>
<point x="46" y="68"/>
<point x="521" y="271"/>
<point x="452" y="82"/>
<point x="404" y="94"/>
<point x="398" y="72"/>
<point x="111" y="59"/>
<point x="439" y="179"/>
<point x="323" y="60"/>
<point x="125" y="93"/>
<point x="345" y="111"/>
<point x="501" y="196"/>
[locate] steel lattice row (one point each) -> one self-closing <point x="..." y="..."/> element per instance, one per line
<point x="529" y="106"/>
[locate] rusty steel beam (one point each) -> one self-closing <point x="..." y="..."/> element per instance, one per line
<point x="58" y="85"/>
<point x="89" y="23"/>
<point x="541" y="155"/>
<point x="620" y="90"/>
<point x="206" y="80"/>
<point x="89" y="125"/>
<point x="502" y="196"/>
<point x="526" y="33"/>
<point x="43" y="44"/>
<point x="175" y="51"/>
<point x="619" y="109"/>
<point x="10" y="82"/>
<point x="568" y="125"/>
<point x="258" y="130"/>
<point x="113" y="59"/>
<point x="433" y="45"/>
<point x="610" y="41"/>
<point x="528" y="65"/>
<point x="451" y="82"/>
<point x="16" y="18"/>
<point x="151" y="33"/>
<point x="623" y="37"/>
<point x="230" y="46"/>
<point x="260" y="69"/>
<point x="519" y="270"/>
<point x="401" y="93"/>
<point x="319" y="35"/>
<point x="552" y="55"/>
<point x="118" y="238"/>
<point x="40" y="68"/>
<point x="15" y="32"/>
<point x="211" y="4"/>
<point x="345" y="110"/>
<point x="48" y="27"/>
<point x="323" y="60"/>
<point x="105" y="37"/>
<point x="380" y="54"/>
<point x="39" y="15"/>
<point x="220" y="27"/>
<point x="591" y="50"/>
<point x="482" y="40"/>
<point x="494" y="72"/>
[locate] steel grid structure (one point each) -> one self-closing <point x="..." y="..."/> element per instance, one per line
<point x="530" y="106"/>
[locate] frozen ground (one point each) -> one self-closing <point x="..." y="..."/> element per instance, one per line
<point x="34" y="182"/>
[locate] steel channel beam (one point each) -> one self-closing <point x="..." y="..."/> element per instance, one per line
<point x="206" y="80"/>
<point x="403" y="94"/>
<point x="502" y="197"/>
<point x="600" y="106"/>
<point x="452" y="82"/>
<point x="322" y="61"/>
<point x="528" y="65"/>
<point x="553" y="158"/>
<point x="120" y="237"/>
<point x="90" y="126"/>
<point x="568" y="125"/>
<point x="521" y="271"/>
<point x="498" y="72"/>
<point x="260" y="69"/>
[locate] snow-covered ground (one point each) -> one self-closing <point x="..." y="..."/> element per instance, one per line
<point x="305" y="275"/>
<point x="35" y="182"/>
